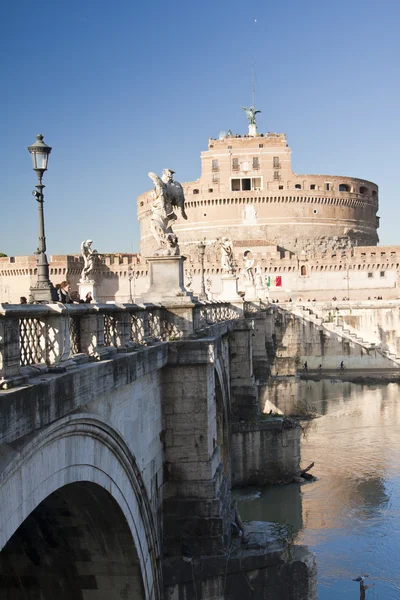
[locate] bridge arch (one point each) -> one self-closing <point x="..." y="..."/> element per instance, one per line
<point x="82" y="457"/>
<point x="223" y="414"/>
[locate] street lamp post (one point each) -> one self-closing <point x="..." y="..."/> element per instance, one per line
<point x="202" y="250"/>
<point x="130" y="277"/>
<point x="42" y="291"/>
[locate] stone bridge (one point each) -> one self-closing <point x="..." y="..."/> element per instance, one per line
<point x="122" y="431"/>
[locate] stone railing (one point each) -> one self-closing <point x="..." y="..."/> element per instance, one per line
<point x="48" y="336"/>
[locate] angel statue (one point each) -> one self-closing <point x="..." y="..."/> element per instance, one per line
<point x="227" y="259"/>
<point x="251" y="114"/>
<point x="168" y="199"/>
<point x="88" y="254"/>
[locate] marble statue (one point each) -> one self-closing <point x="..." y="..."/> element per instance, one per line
<point x="168" y="199"/>
<point x="209" y="288"/>
<point x="248" y="267"/>
<point x="189" y="279"/>
<point x="258" y="277"/>
<point x="88" y="254"/>
<point x="227" y="260"/>
<point x="251" y="114"/>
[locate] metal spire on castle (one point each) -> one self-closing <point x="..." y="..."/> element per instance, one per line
<point x="251" y="112"/>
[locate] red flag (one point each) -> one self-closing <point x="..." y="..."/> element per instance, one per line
<point x="278" y="281"/>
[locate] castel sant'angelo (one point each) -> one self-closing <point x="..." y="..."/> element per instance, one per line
<point x="306" y="235"/>
<point x="248" y="192"/>
<point x="298" y="237"/>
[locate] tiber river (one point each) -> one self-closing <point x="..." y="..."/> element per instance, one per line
<point x="349" y="516"/>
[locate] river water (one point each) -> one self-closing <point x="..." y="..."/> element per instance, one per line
<point x="349" y="516"/>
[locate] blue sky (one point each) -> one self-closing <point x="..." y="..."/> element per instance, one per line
<point x="121" y="88"/>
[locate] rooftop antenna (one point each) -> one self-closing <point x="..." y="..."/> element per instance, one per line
<point x="251" y="112"/>
<point x="252" y="85"/>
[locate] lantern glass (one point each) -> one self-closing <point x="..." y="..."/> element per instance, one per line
<point x="40" y="160"/>
<point x="40" y="154"/>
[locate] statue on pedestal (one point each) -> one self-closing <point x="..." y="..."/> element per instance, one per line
<point x="248" y="271"/>
<point x="168" y="199"/>
<point x="251" y="114"/>
<point x="258" y="277"/>
<point x="227" y="259"/>
<point x="88" y="254"/>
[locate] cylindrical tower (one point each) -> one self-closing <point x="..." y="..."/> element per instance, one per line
<point x="248" y="192"/>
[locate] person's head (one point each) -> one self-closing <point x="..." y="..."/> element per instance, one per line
<point x="64" y="286"/>
<point x="89" y="243"/>
<point x="75" y="296"/>
<point x="23" y="300"/>
<point x="89" y="296"/>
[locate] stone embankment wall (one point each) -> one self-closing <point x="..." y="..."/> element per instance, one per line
<point x="377" y="322"/>
<point x="300" y="337"/>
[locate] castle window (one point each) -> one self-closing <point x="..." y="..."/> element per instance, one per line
<point x="370" y="275"/>
<point x="374" y="193"/>
<point x="235" y="183"/>
<point x="281" y="187"/>
<point x="195" y="191"/>
<point x="256" y="162"/>
<point x="246" y="185"/>
<point x="215" y="164"/>
<point x="327" y="186"/>
<point x="382" y="273"/>
<point x="210" y="190"/>
<point x="343" y="187"/>
<point x="229" y="147"/>
<point x="312" y="186"/>
<point x="276" y="164"/>
<point x="363" y="190"/>
<point x="235" y="164"/>
<point x="261" y="145"/>
<point x="276" y="175"/>
<point x="315" y="211"/>
<point x="297" y="186"/>
<point x="215" y="177"/>
<point x="256" y="181"/>
<point x="303" y="270"/>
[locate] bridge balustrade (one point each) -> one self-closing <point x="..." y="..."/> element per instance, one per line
<point x="35" y="337"/>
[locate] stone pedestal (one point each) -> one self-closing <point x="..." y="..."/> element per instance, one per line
<point x="85" y="288"/>
<point x="261" y="292"/>
<point x="252" y="130"/>
<point x="166" y="279"/>
<point x="250" y="291"/>
<point x="229" y="289"/>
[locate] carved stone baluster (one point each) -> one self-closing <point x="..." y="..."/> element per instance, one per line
<point x="9" y="352"/>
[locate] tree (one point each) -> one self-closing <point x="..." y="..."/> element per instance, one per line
<point x="2" y="254"/>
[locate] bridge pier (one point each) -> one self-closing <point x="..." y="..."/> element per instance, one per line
<point x="244" y="397"/>
<point x="196" y="494"/>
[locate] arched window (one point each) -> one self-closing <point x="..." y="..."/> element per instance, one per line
<point x="297" y="186"/>
<point x="363" y="190"/>
<point x="303" y="270"/>
<point x="343" y="187"/>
